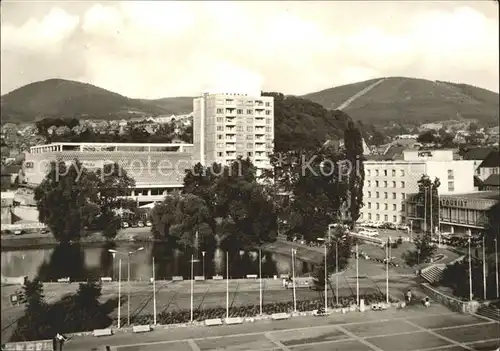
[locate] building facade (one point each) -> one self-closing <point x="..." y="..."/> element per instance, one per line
<point x="227" y="126"/>
<point x="459" y="213"/>
<point x="156" y="168"/>
<point x="388" y="183"/>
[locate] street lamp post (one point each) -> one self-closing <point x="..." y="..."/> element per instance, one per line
<point x="119" y="291"/>
<point x="470" y="267"/>
<point x="203" y="254"/>
<point x="128" y="254"/>
<point x="484" y="269"/>
<point x="154" y="293"/>
<point x="260" y="280"/>
<point x="293" y="281"/>
<point x="192" y="284"/>
<point x="326" y="272"/>
<point x="496" y="266"/>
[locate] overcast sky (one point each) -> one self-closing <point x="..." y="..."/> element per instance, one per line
<point x="161" y="49"/>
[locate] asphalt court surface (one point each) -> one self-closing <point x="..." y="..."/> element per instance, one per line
<point x="447" y="332"/>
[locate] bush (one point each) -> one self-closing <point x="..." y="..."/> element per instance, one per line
<point x="184" y="316"/>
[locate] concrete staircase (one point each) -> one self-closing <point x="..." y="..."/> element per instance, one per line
<point x="490" y="312"/>
<point x="432" y="274"/>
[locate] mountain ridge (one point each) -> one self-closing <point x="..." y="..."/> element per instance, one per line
<point x="392" y="99"/>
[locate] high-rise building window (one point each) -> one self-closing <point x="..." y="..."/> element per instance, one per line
<point x="220" y="128"/>
<point x="376" y="183"/>
<point x="369" y="172"/>
<point x="386" y="218"/>
<point x="219" y="154"/>
<point x="240" y="129"/>
<point x="249" y="137"/>
<point x="369" y="183"/>
<point x="393" y="184"/>
<point x="369" y="205"/>
<point x="394" y="195"/>
<point x="393" y="172"/>
<point x="369" y="216"/>
<point x="268" y="103"/>
<point x="239" y="111"/>
<point x="378" y="206"/>
<point x="385" y="195"/>
<point x="386" y="207"/>
<point x="249" y="154"/>
<point x="451" y="186"/>
<point x="385" y="183"/>
<point x="403" y="196"/>
<point x="249" y="128"/>
<point x="378" y="195"/>
<point x="394" y="207"/>
<point x="249" y="146"/>
<point x="369" y="194"/>
<point x="219" y="136"/>
<point x="269" y="121"/>
<point x="450" y="174"/>
<point x="378" y="217"/>
<point x="402" y="173"/>
<point x="220" y="110"/>
<point x="403" y="185"/>
<point x="249" y="112"/>
<point x="376" y="172"/>
<point x="269" y="129"/>
<point x="220" y="119"/>
<point x="394" y="219"/>
<point x="268" y="113"/>
<point x="385" y="172"/>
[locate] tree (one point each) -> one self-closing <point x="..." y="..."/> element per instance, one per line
<point x="353" y="143"/>
<point x="428" y="198"/>
<point x="427" y="137"/>
<point x="114" y="185"/>
<point x="423" y="252"/>
<point x="67" y="200"/>
<point x="377" y="138"/>
<point x="71" y="198"/>
<point x="316" y="183"/>
<point x="33" y="324"/>
<point x="242" y="212"/>
<point x="340" y="243"/>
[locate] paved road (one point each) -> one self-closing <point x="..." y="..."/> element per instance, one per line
<point x="414" y="328"/>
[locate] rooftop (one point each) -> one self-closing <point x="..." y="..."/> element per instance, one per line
<point x="486" y="195"/>
<point x="492" y="180"/>
<point x="478" y="153"/>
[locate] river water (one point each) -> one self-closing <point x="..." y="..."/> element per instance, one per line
<point x="82" y="263"/>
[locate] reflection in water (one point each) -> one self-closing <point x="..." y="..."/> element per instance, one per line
<point x="65" y="261"/>
<point x="82" y="263"/>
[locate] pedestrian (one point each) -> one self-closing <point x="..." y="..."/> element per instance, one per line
<point x="408" y="296"/>
<point x="61" y="339"/>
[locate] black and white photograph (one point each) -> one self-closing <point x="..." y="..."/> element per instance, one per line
<point x="250" y="175"/>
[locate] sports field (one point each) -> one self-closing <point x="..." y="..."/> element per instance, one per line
<point x="415" y="328"/>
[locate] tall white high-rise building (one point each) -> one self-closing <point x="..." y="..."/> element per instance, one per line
<point x="226" y="126"/>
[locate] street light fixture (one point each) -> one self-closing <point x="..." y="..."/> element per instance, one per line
<point x="128" y="254"/>
<point x="326" y="274"/>
<point x="203" y="254"/>
<point x="192" y="283"/>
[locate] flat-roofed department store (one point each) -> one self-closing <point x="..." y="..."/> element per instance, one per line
<point x="388" y="183"/>
<point x="158" y="169"/>
<point x="459" y="213"/>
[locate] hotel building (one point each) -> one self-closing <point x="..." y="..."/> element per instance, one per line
<point x="388" y="183"/>
<point x="227" y="126"/>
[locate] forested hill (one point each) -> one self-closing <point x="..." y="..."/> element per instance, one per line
<point x="303" y="124"/>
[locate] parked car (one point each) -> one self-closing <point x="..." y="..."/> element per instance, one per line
<point x="369" y="232"/>
<point x="140" y="224"/>
<point x="402" y="227"/>
<point x="125" y="225"/>
<point x="148" y="224"/>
